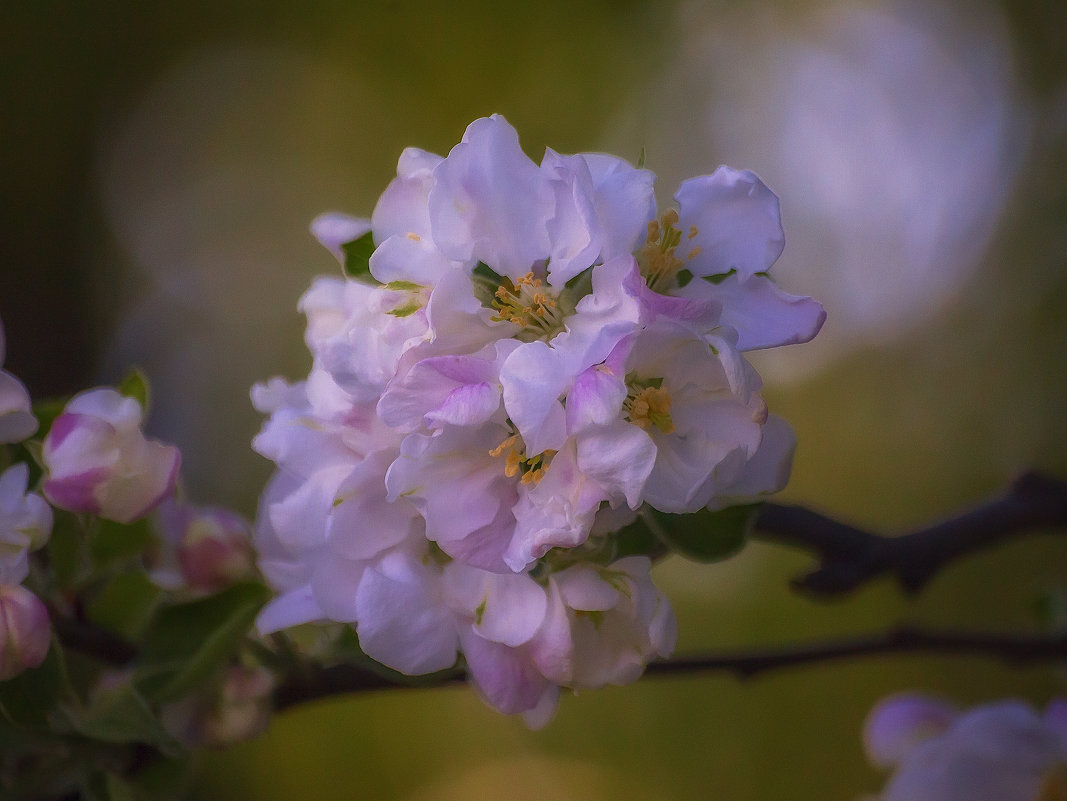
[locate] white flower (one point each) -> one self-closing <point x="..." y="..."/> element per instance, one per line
<point x="98" y="460"/>
<point x="603" y="624"/>
<point x="1004" y="751"/>
<point x="25" y="524"/>
<point x="16" y="417"/>
<point x="533" y="356"/>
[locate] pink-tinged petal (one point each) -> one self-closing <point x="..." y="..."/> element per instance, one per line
<point x="13" y="485"/>
<point x="552" y="648"/>
<point x="573" y="228"/>
<point x="901" y="722"/>
<point x="335" y="585"/>
<point x="289" y="609"/>
<point x="24" y="631"/>
<point x="452" y="480"/>
<point x="767" y="471"/>
<point x="1055" y="718"/>
<point x="363" y="522"/>
<point x="738" y="222"/>
<point x="402" y="622"/>
<point x="683" y="479"/>
<point x="619" y="457"/>
<point x="504" y="677"/>
<point x="16" y="419"/>
<point x="133" y="497"/>
<point x="763" y="315"/>
<point x="533" y="381"/>
<point x="456" y="390"/>
<point x="484" y="547"/>
<point x="624" y="201"/>
<point x="582" y="588"/>
<point x="77" y="493"/>
<point x="403" y="206"/>
<point x="557" y="512"/>
<point x="298" y="518"/>
<point x="542" y="714"/>
<point x="63" y="426"/>
<point x="108" y="405"/>
<point x="595" y="399"/>
<point x="489" y="202"/>
<point x="408" y="258"/>
<point x="513" y="608"/>
<point x="334" y="229"/>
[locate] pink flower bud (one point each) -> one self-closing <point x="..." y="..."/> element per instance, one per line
<point x="24" y="630"/>
<point x="99" y="461"/>
<point x="215" y="550"/>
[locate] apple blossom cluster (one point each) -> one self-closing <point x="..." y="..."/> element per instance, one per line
<point x="25" y="526"/>
<point x="1003" y="751"/>
<point x="521" y="358"/>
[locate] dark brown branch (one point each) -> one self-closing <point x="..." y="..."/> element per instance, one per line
<point x="319" y="682"/>
<point x="849" y="556"/>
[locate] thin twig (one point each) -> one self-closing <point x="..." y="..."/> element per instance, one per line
<point x="850" y="556"/>
<point x="346" y="679"/>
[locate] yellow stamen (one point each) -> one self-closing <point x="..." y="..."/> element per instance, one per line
<point x="651" y="406"/>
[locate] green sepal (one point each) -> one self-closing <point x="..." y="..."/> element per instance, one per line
<point x="357" y="257"/>
<point x="186" y="643"/>
<point x="704" y="536"/>
<point x="718" y="278"/>
<point x="135" y="385"/>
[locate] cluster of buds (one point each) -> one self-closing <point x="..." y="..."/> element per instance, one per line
<point x="520" y="359"/>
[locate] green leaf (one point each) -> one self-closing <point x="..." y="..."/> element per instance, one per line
<point x="26" y="699"/>
<point x="120" y="715"/>
<point x="635" y="539"/>
<point x="125" y="604"/>
<point x="135" y="385"/>
<point x="111" y="542"/>
<point x="641" y="159"/>
<point x="66" y="550"/>
<point x="186" y="643"/>
<point x="704" y="536"/>
<point x="357" y="257"/>
<point x="106" y="787"/>
<point x="46" y="411"/>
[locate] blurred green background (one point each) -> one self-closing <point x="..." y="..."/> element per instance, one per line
<point x="161" y="163"/>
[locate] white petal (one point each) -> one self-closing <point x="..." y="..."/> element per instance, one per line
<point x="334" y="229"/>
<point x="533" y="381"/>
<point x="738" y="222"/>
<point x="489" y="202"/>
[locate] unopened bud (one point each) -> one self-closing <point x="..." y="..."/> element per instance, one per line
<point x="215" y="550"/>
<point x="24" y="630"/>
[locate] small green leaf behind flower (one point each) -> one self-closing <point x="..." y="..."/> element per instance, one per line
<point x="704" y="536"/>
<point x="135" y="385"/>
<point x="186" y="643"/>
<point x="357" y="257"/>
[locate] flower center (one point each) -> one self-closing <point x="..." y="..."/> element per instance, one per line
<point x="657" y="258"/>
<point x="648" y="404"/>
<point x="532" y="468"/>
<point x="531" y="305"/>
